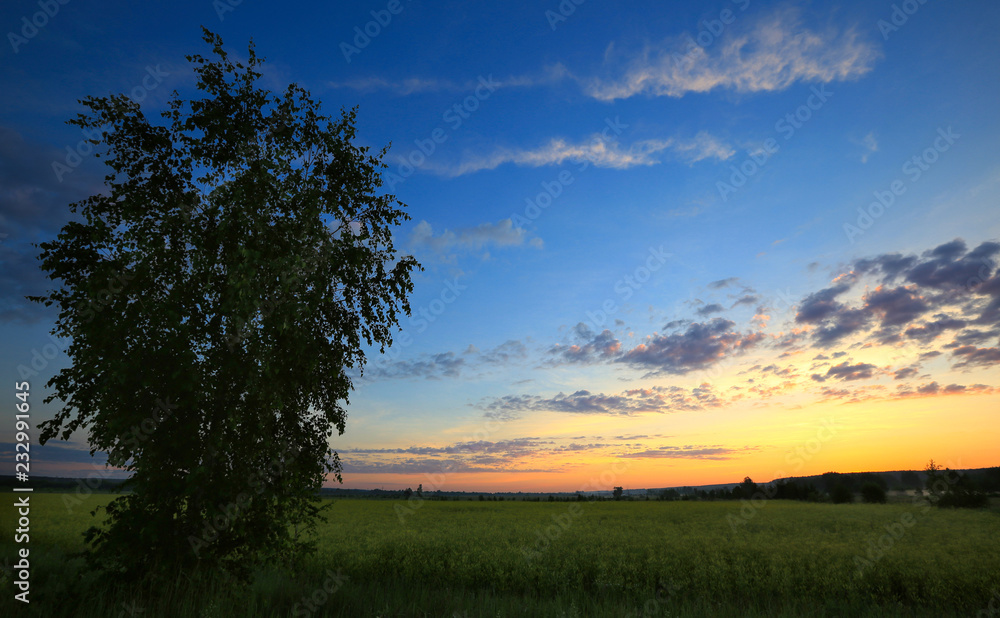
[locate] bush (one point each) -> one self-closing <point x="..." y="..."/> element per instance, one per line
<point x="872" y="493"/>
<point x="840" y="494"/>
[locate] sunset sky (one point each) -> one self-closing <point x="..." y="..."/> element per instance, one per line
<point x="665" y="243"/>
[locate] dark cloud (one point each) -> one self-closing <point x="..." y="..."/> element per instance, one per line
<point x="722" y="283"/>
<point x="589" y="347"/>
<point x="905" y="372"/>
<point x="819" y="305"/>
<point x="929" y="389"/>
<point x="895" y="306"/>
<point x="698" y="347"/>
<point x="967" y="337"/>
<point x="847" y="322"/>
<point x="890" y="265"/>
<point x="430" y="367"/>
<point x="946" y="279"/>
<point x="929" y="331"/>
<point x="847" y="372"/>
<point x="948" y="268"/>
<point x="970" y="355"/>
<point x="709" y="309"/>
<point x="746" y="299"/>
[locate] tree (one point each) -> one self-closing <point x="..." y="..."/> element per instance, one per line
<point x="617" y="493"/>
<point x="239" y="256"/>
<point x="950" y="488"/>
<point x="841" y="494"/>
<point x="748" y="487"/>
<point x="873" y="493"/>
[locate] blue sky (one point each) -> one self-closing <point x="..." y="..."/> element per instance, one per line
<point x="639" y="224"/>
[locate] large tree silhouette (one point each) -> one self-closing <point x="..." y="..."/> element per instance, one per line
<point x="217" y="294"/>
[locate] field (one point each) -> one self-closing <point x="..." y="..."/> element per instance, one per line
<point x="466" y="559"/>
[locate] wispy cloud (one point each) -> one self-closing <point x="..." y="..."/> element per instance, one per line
<point x="421" y="85"/>
<point x="483" y="236"/>
<point x="598" y="151"/>
<point x="768" y="55"/>
<point x="690" y="452"/>
<point x="870" y="144"/>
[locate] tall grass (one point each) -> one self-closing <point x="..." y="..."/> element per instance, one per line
<point x="567" y="559"/>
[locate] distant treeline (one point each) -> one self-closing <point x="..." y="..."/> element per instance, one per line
<point x="961" y="486"/>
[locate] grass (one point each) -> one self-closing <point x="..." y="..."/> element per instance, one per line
<point x="466" y="559"/>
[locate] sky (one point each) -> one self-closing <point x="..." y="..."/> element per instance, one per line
<point x="664" y="243"/>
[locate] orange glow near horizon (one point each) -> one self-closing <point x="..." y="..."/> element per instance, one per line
<point x="767" y="443"/>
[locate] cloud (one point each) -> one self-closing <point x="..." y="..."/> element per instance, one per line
<point x="658" y="399"/>
<point x="722" y="283"/>
<point x="689" y="452"/>
<point x="589" y="347"/>
<point x="746" y="299"/>
<point x="698" y="347"/>
<point x="962" y="286"/>
<point x="870" y="144"/>
<point x="512" y="455"/>
<point x="895" y="306"/>
<point x="501" y="234"/>
<point x="429" y="367"/>
<point x="420" y="85"/>
<point x="847" y="372"/>
<point x="970" y="356"/>
<point x="933" y="389"/>
<point x="820" y="305"/>
<point x="925" y="333"/>
<point x="507" y="352"/>
<point x="709" y="309"/>
<point x="444" y="364"/>
<point x="770" y="54"/>
<point x="597" y="150"/>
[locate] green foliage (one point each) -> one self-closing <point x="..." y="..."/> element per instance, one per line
<point x="240" y="254"/>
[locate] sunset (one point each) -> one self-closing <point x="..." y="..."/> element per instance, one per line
<point x="641" y="247"/>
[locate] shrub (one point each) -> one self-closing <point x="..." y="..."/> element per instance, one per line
<point x="872" y="493"/>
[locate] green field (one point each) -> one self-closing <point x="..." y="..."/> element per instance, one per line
<point x="568" y="559"/>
